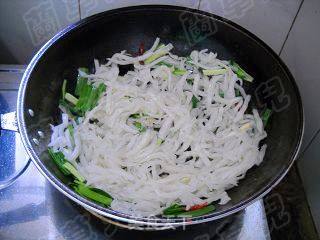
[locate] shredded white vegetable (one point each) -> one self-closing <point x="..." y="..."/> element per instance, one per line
<point x="168" y="152"/>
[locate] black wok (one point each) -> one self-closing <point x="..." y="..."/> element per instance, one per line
<point x="102" y="35"/>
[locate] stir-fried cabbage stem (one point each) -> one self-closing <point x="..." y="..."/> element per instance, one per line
<point x="157" y="138"/>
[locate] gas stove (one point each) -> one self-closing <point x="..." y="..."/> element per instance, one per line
<point x="32" y="208"/>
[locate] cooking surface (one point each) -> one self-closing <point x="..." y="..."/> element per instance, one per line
<point x="33" y="209"/>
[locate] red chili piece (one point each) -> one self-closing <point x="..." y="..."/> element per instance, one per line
<point x="198" y="206"/>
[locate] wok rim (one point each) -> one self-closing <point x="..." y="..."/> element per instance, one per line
<point x="107" y="212"/>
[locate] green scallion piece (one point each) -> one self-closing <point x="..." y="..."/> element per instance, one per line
<point x="99" y="91"/>
<point x="73" y="171"/>
<point x="71" y="131"/>
<point x="194" y="101"/>
<point x="213" y="72"/>
<point x="189" y="61"/>
<point x="179" y="72"/>
<point x="177" y="210"/>
<point x="140" y="127"/>
<point x="70" y="98"/>
<point x="83" y="99"/>
<point x="159" y="141"/>
<point x="174" y="209"/>
<point x="198" y="212"/>
<point x="81" y="81"/>
<point x="240" y="72"/>
<point x="89" y="97"/>
<point x="97" y="190"/>
<point x="154" y="57"/>
<point x="190" y="81"/>
<point x="135" y="115"/>
<point x="162" y="63"/>
<point x="237" y="93"/>
<point x="266" y="116"/>
<point x="64" y="85"/>
<point x="92" y="194"/>
<point x="160" y="46"/>
<point x="70" y="109"/>
<point x="59" y="160"/>
<point x="65" y="166"/>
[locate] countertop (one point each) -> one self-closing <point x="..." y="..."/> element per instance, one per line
<point x="33" y="209"/>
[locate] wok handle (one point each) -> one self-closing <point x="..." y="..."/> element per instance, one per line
<point x="8" y="121"/>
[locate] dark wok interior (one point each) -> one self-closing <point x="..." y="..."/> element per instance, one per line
<point x="102" y="35"/>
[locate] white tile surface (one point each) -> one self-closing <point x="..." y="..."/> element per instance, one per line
<point x="309" y="167"/>
<point x="26" y="25"/>
<point x="302" y="55"/>
<point x="90" y="7"/>
<point x="270" y="20"/>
